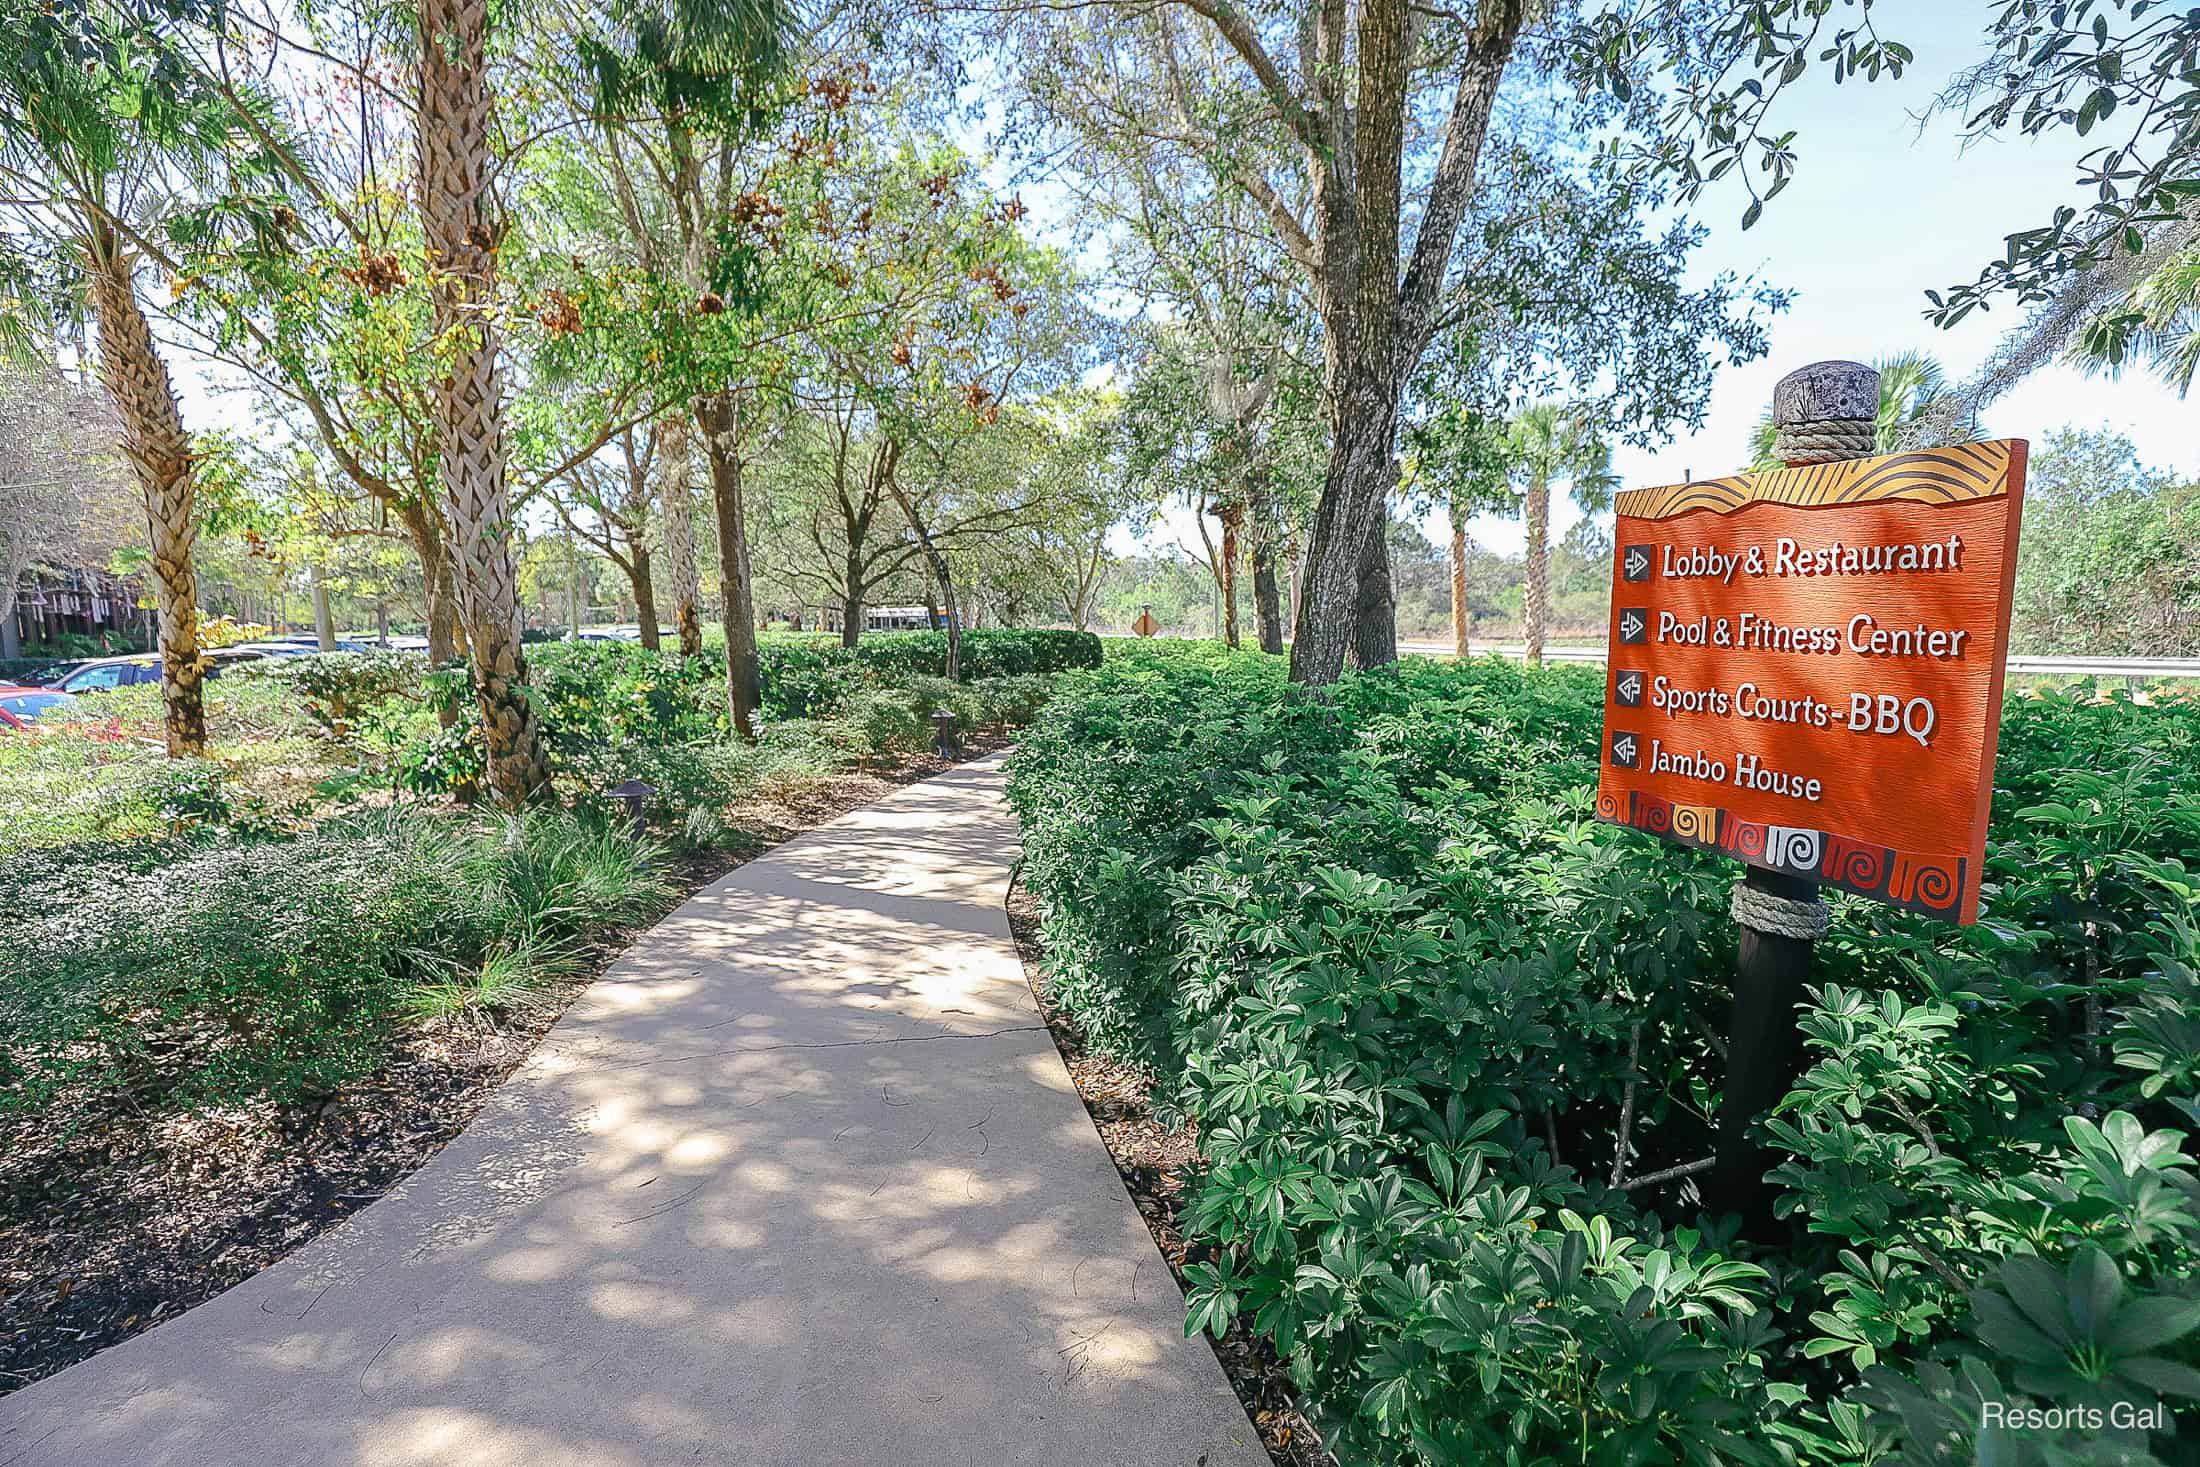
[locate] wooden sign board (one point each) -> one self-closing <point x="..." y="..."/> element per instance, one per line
<point x="1145" y="626"/>
<point x="1806" y="668"/>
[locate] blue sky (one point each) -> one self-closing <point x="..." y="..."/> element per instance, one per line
<point x="1881" y="210"/>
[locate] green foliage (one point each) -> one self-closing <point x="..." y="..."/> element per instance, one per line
<point x="1373" y="946"/>
<point x="2110" y="560"/>
<point x="334" y="688"/>
<point x="279" y="967"/>
<point x="1002" y="652"/>
<point x="178" y="937"/>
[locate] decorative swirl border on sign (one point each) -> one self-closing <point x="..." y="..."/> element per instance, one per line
<point x="1922" y="883"/>
<point x="1794" y="848"/>
<point x="1698" y="824"/>
<point x="1856" y="865"/>
<point x="1933" y="476"/>
<point x="1927" y="883"/>
<point x="1743" y="838"/>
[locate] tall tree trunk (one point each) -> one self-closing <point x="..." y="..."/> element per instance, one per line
<point x="324" y="621"/>
<point x="942" y="578"/>
<point x="676" y="508"/>
<point x="1377" y="322"/>
<point x="1459" y="617"/>
<point x="462" y="239"/>
<point x="1350" y="510"/>
<point x="851" y="602"/>
<point x="159" y="450"/>
<point x="1231" y="518"/>
<point x="439" y="596"/>
<point x="641" y="573"/>
<point x="1267" y="592"/>
<point x="1537" y="592"/>
<point x="718" y="415"/>
<point x="1375" y="611"/>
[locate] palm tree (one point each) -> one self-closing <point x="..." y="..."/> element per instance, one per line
<point x="463" y="234"/>
<point x="1913" y="393"/>
<point x="2157" y="319"/>
<point x="81" y="171"/>
<point x="662" y="53"/>
<point x="1548" y="443"/>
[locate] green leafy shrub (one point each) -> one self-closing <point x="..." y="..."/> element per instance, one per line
<point x="335" y="688"/>
<point x="804" y="675"/>
<point x="1430" y="1021"/>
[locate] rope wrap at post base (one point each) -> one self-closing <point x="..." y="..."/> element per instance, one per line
<point x="1825" y="440"/>
<point x="1779" y="916"/>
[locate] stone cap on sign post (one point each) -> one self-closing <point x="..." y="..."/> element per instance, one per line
<point x="1826" y="390"/>
<point x="1826" y="412"/>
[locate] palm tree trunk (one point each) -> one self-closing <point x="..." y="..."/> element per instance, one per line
<point x="462" y="238"/>
<point x="159" y="450"/>
<point x="676" y="507"/>
<point x="1458" y="587"/>
<point x="1539" y="568"/>
<point x="718" y="414"/>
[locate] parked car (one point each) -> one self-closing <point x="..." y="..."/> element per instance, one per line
<point x="21" y="707"/>
<point x="103" y="673"/>
<point x="309" y="643"/>
<point x="218" y="658"/>
<point x="627" y="632"/>
<point x="274" y="649"/>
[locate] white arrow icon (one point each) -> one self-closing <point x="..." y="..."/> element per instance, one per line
<point x="1630" y="687"/>
<point x="1630" y="625"/>
<point x="1624" y="748"/>
<point x="1638" y="563"/>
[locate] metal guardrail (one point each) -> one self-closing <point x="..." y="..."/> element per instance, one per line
<point x="2143" y="668"/>
<point x="2135" y="668"/>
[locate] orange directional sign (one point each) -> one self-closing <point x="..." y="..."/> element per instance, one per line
<point x="1145" y="626"/>
<point x="1806" y="668"/>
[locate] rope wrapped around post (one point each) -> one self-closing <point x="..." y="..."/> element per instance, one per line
<point x="1825" y="441"/>
<point x="1778" y="915"/>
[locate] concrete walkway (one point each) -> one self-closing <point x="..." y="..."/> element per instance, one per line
<point x="800" y="1181"/>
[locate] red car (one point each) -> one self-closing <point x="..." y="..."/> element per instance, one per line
<point x="21" y="707"/>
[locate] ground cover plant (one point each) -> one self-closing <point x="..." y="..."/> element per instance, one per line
<point x="299" y="963"/>
<point x="1441" y="1038"/>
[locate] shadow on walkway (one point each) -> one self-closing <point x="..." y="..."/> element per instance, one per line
<point x="800" y="1180"/>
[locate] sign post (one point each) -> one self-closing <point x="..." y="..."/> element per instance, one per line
<point x="1806" y="674"/>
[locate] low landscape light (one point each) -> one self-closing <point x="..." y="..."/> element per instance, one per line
<point x="633" y="797"/>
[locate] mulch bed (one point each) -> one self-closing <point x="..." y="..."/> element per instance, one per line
<point x="124" y="1219"/>
<point x="1155" y="1164"/>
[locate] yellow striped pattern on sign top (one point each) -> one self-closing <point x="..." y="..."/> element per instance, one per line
<point x="1933" y="476"/>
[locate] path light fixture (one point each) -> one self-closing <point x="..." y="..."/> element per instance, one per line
<point x="943" y="725"/>
<point x="633" y="797"/>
